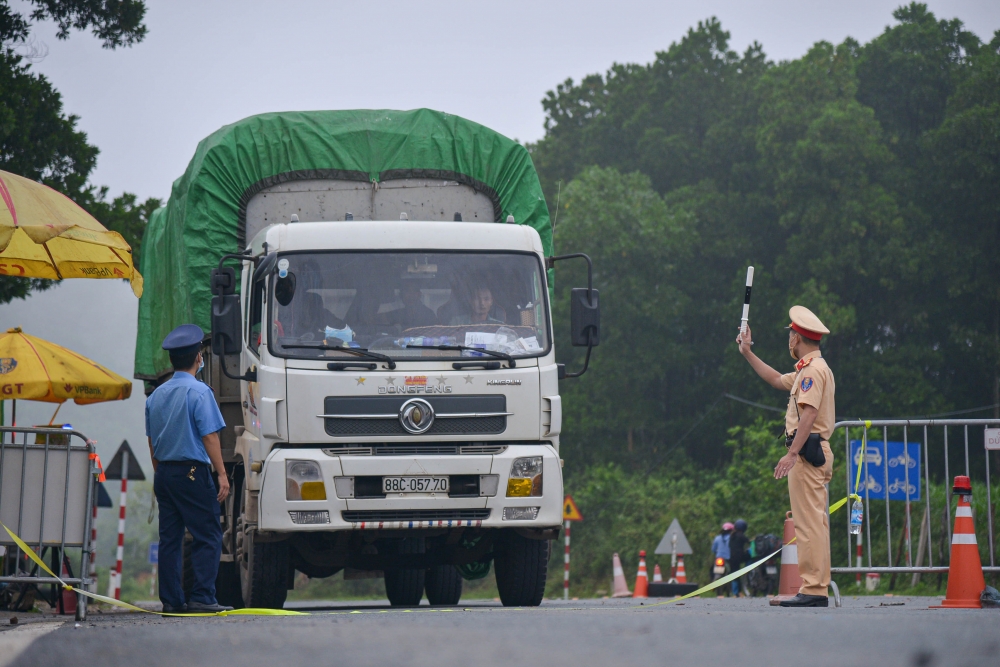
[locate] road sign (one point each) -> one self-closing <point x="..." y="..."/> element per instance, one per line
<point x="888" y="466"/>
<point x="154" y="553"/>
<point x="114" y="469"/>
<point x="993" y="438"/>
<point x="570" y="511"/>
<point x="667" y="544"/>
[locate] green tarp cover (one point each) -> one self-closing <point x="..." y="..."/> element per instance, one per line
<point x="205" y="215"/>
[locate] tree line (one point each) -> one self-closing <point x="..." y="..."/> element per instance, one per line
<point x="861" y="180"/>
<point x="38" y="140"/>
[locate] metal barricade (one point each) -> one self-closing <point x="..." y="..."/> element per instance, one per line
<point x="881" y="428"/>
<point x="47" y="491"/>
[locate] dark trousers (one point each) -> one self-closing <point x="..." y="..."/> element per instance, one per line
<point x="187" y="503"/>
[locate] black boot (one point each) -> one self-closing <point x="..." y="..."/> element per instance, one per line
<point x="801" y="600"/>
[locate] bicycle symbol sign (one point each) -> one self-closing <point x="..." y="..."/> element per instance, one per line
<point x="890" y="467"/>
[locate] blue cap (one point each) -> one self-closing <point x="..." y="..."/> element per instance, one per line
<point x="185" y="338"/>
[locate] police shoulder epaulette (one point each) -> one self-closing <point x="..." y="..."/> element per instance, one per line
<point x="802" y="363"/>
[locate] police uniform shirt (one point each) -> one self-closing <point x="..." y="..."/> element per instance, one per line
<point x="811" y="384"/>
<point x="179" y="413"/>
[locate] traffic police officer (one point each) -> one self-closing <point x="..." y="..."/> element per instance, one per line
<point x="182" y="425"/>
<point x="808" y="464"/>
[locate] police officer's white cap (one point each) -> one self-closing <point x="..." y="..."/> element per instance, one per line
<point x="805" y="323"/>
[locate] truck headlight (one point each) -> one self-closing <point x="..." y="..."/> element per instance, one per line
<point x="525" y="477"/>
<point x="304" y="481"/>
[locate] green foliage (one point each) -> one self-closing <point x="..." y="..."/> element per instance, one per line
<point x="115" y="22"/>
<point x="859" y="180"/>
<point x="39" y="141"/>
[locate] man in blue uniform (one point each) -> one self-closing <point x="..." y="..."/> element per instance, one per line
<point x="182" y="424"/>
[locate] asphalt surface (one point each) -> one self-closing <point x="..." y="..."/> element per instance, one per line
<point x="748" y="632"/>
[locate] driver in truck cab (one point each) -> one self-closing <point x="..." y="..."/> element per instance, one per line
<point x="481" y="308"/>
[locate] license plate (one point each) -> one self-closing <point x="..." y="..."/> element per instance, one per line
<point x="414" y="485"/>
<point x="771" y="569"/>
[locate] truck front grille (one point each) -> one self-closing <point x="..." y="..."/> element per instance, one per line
<point x="405" y="449"/>
<point x="378" y="415"/>
<point x="460" y="426"/>
<point x="359" y="516"/>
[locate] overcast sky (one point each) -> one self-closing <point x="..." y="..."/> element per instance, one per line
<point x="205" y="64"/>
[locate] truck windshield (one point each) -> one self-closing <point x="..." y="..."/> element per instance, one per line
<point x="401" y="304"/>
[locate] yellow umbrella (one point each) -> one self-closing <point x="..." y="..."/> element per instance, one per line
<point x="44" y="234"/>
<point x="35" y="369"/>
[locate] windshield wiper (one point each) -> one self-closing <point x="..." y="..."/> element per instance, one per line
<point x="500" y="355"/>
<point x="359" y="351"/>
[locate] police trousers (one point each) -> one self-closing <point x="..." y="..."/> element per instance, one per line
<point x="187" y="496"/>
<point x="807" y="492"/>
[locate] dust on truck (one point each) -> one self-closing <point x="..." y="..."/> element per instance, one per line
<point x="377" y="286"/>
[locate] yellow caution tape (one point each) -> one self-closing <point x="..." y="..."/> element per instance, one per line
<point x="118" y="603"/>
<point x="739" y="573"/>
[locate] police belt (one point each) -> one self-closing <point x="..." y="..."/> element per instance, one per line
<point x="185" y="463"/>
<point x="812" y="450"/>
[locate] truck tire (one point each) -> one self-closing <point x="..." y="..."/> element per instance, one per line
<point x="227" y="586"/>
<point x="263" y="567"/>
<point x="264" y="573"/>
<point x="443" y="584"/>
<point x="521" y="567"/>
<point x="405" y="587"/>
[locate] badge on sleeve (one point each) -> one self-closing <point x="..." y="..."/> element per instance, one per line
<point x="806" y="384"/>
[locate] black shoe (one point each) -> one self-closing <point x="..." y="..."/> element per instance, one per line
<point x="167" y="609"/>
<point x="801" y="600"/>
<point x="202" y="608"/>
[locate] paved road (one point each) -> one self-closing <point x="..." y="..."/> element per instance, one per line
<point x="479" y="634"/>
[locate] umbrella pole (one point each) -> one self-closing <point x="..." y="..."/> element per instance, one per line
<point x="59" y="405"/>
<point x="13" y="412"/>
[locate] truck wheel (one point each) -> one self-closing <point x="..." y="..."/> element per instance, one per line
<point x="405" y="587"/>
<point x="227" y="586"/>
<point x="443" y="584"/>
<point x="263" y="566"/>
<point x="264" y="572"/>
<point x="521" y="566"/>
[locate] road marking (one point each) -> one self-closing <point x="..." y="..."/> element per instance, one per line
<point x="15" y="642"/>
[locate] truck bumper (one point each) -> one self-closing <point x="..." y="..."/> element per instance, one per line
<point x="408" y="511"/>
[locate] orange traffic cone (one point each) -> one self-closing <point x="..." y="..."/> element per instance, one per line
<point x="682" y="577"/>
<point x="965" y="572"/>
<point x="621" y="586"/>
<point x="657" y="575"/>
<point x="789" y="582"/>
<point x="641" y="579"/>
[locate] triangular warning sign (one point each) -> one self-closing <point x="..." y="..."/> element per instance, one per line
<point x="114" y="469"/>
<point x="668" y="544"/>
<point x="570" y="511"/>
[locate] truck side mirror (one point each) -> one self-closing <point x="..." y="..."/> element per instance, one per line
<point x="226" y="325"/>
<point x="223" y="280"/>
<point x="585" y="314"/>
<point x="585" y="317"/>
<point x="226" y="317"/>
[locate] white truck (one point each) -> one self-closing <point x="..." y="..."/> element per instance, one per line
<point x="382" y="350"/>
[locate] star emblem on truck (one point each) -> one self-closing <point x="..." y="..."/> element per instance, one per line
<point x="469" y="379"/>
<point x="390" y="380"/>
<point x="441" y="380"/>
<point x="360" y="380"/>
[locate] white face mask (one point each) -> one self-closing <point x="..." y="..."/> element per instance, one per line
<point x="202" y="364"/>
